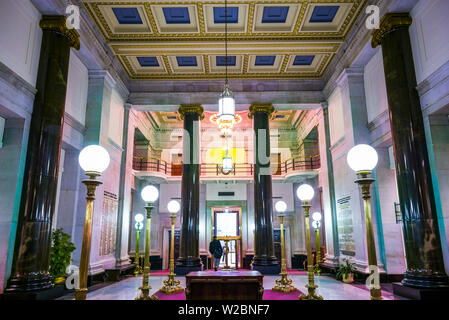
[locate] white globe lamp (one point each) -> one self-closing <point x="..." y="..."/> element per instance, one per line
<point x="150" y="193"/>
<point x="173" y="206"/>
<point x="362" y="158"/>
<point x="139" y="217"/>
<point x="305" y="192"/>
<point x="316" y="216"/>
<point x="94" y="158"/>
<point x="280" y="206"/>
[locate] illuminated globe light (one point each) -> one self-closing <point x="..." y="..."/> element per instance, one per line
<point x="305" y="192"/>
<point x="280" y="206"/>
<point x="139" y="226"/>
<point x="226" y="105"/>
<point x="316" y="216"/>
<point x="94" y="158"/>
<point x="139" y="217"/>
<point x="173" y="206"/>
<point x="362" y="158"/>
<point x="227" y="163"/>
<point x="149" y="193"/>
<point x="316" y="224"/>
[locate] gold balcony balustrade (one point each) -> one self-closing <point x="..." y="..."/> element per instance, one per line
<point x="156" y="165"/>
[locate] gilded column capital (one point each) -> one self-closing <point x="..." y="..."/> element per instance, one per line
<point x="390" y="22"/>
<point x="191" y="108"/>
<point x="268" y="108"/>
<point x="58" y="24"/>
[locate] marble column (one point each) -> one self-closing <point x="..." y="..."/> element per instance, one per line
<point x="425" y="266"/>
<point x="33" y="240"/>
<point x="264" y="259"/>
<point x="189" y="255"/>
<point x="331" y="184"/>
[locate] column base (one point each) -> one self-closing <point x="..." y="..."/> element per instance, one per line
<point x="420" y="293"/>
<point x="267" y="266"/>
<point x="420" y="281"/>
<point x="48" y="294"/>
<point x="184" y="266"/>
<point x="29" y="284"/>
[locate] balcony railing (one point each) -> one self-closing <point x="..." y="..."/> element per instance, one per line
<point x="238" y="170"/>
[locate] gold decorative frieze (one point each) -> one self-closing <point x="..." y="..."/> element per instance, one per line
<point x="389" y="22"/>
<point x="191" y="108"/>
<point x="58" y="24"/>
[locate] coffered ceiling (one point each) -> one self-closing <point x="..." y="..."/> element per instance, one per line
<point x="184" y="40"/>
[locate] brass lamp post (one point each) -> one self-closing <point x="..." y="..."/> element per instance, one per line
<point x="284" y="284"/>
<point x="93" y="160"/>
<point x="139" y="226"/>
<point x="363" y="159"/>
<point x="149" y="195"/>
<point x="171" y="285"/>
<point x="316" y="216"/>
<point x="305" y="193"/>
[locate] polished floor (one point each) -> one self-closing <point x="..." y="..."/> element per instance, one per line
<point x="328" y="287"/>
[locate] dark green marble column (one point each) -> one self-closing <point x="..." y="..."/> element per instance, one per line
<point x="425" y="266"/>
<point x="33" y="238"/>
<point x="189" y="255"/>
<point x="264" y="260"/>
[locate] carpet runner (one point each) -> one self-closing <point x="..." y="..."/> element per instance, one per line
<point x="267" y="295"/>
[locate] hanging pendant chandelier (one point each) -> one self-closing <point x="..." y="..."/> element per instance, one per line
<point x="226" y="117"/>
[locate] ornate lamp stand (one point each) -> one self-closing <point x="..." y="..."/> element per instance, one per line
<point x="137" y="255"/>
<point x="171" y="285"/>
<point x="284" y="284"/>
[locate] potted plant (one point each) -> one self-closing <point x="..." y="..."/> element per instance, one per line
<point x="60" y="255"/>
<point x="346" y="271"/>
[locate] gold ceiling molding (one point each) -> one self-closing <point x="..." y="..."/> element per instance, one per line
<point x="389" y="22"/>
<point x="58" y="24"/>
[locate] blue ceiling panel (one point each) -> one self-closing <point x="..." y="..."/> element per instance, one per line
<point x="176" y="15"/>
<point x="324" y="13"/>
<point x="303" y="60"/>
<point x="274" y="14"/>
<point x="265" y="60"/>
<point x="187" y="61"/>
<point x="148" y="61"/>
<point x="221" y="61"/>
<point x="127" y="15"/>
<point x="219" y="15"/>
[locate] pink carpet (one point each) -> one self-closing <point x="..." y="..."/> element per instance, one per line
<point x="268" y="295"/>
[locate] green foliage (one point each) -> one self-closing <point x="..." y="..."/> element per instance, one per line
<point x="346" y="269"/>
<point x="60" y="253"/>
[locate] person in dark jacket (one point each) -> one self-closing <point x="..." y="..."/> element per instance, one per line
<point x="216" y="250"/>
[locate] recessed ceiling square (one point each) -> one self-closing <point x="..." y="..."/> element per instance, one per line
<point x="186" y="61"/>
<point x="303" y="60"/>
<point x="148" y="61"/>
<point x="220" y="16"/>
<point x="127" y="15"/>
<point x="265" y="60"/>
<point x="324" y="14"/>
<point x="176" y="15"/>
<point x="221" y="61"/>
<point x="274" y="14"/>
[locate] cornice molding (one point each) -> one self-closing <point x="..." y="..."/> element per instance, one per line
<point x="59" y="24"/>
<point x="390" y="22"/>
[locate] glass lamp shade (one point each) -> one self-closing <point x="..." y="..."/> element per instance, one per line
<point x="226" y="105"/>
<point x="138" y="226"/>
<point x="94" y="158"/>
<point x="316" y="216"/>
<point x="316" y="224"/>
<point x="227" y="164"/>
<point x="139" y="217"/>
<point x="362" y="158"/>
<point x="173" y="206"/>
<point x="305" y="192"/>
<point x="149" y="193"/>
<point x="280" y="206"/>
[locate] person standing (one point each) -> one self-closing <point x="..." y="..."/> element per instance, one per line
<point x="216" y="250"/>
